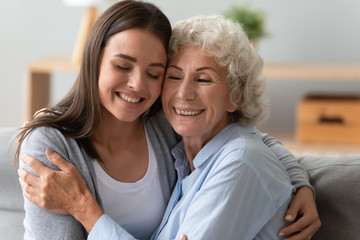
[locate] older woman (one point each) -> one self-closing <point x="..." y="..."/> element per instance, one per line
<point x="230" y="185"/>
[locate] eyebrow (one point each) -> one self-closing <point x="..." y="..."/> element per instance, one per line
<point x="198" y="69"/>
<point x="157" y="65"/>
<point x="120" y="55"/>
<point x="178" y="68"/>
<point x="204" y="68"/>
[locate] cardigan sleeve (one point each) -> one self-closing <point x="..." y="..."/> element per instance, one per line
<point x="40" y="223"/>
<point x="297" y="173"/>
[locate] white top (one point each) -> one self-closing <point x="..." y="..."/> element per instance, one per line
<point x="137" y="207"/>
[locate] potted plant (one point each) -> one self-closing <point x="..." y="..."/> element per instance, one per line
<point x="252" y="21"/>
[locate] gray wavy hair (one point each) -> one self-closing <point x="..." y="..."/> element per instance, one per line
<point x="227" y="42"/>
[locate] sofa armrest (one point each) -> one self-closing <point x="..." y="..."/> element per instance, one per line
<point x="11" y="198"/>
<point x="336" y="181"/>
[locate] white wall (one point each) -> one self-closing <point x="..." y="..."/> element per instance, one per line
<point x="300" y="30"/>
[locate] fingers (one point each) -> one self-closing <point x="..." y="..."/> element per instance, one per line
<point x="40" y="112"/>
<point x="294" y="209"/>
<point x="35" y="164"/>
<point x="182" y="237"/>
<point x="25" y="124"/>
<point x="290" y="214"/>
<point x="298" y="227"/>
<point x="303" y="228"/>
<point x="57" y="160"/>
<point x="28" y="191"/>
<point x="303" y="235"/>
<point x="25" y="186"/>
<point x="28" y="178"/>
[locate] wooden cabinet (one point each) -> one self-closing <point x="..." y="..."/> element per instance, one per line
<point x="38" y="81"/>
<point x="344" y="72"/>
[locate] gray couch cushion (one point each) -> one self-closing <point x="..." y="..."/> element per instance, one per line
<point x="11" y="199"/>
<point x="9" y="186"/>
<point x="11" y="224"/>
<point x="337" y="184"/>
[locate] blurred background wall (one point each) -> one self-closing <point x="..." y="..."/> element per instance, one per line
<point x="299" y="31"/>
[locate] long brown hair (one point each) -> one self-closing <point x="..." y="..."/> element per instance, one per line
<point x="77" y="115"/>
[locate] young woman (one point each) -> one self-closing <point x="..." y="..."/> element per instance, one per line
<point x="111" y="128"/>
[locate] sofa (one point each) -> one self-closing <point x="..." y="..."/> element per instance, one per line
<point x="336" y="181"/>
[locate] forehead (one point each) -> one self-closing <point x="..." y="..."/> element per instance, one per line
<point x="136" y="41"/>
<point x="194" y="56"/>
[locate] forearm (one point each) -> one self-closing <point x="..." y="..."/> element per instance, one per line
<point x="99" y="225"/>
<point x="86" y="210"/>
<point x="297" y="173"/>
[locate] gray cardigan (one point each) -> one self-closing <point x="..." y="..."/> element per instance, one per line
<point x="42" y="224"/>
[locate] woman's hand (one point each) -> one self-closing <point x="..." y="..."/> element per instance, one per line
<point x="61" y="192"/>
<point x="56" y="191"/>
<point x="302" y="205"/>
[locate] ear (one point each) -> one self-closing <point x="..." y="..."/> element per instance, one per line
<point x="231" y="107"/>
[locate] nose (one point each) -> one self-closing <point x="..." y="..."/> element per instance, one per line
<point x="187" y="90"/>
<point x="135" y="80"/>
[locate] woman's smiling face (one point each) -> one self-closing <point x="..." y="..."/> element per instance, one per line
<point x="196" y="95"/>
<point x="132" y="67"/>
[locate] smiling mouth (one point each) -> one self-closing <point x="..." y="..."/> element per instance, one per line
<point x="188" y="113"/>
<point x="129" y="99"/>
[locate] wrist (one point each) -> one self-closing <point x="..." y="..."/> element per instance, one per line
<point x="87" y="211"/>
<point x="306" y="189"/>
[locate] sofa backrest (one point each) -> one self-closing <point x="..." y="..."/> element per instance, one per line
<point x="336" y="181"/>
<point x="337" y="184"/>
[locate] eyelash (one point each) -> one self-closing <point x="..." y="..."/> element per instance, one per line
<point x="201" y="80"/>
<point x="122" y="68"/>
<point x="153" y="76"/>
<point x="173" y="78"/>
<point x="128" y="69"/>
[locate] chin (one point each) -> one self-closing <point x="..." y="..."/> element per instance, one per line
<point x="184" y="131"/>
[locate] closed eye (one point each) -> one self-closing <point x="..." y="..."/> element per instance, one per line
<point x="173" y="78"/>
<point x="153" y="76"/>
<point x="122" y="68"/>
<point x="201" y="80"/>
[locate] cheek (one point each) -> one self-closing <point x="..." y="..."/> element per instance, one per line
<point x="106" y="77"/>
<point x="166" y="92"/>
<point x="156" y="88"/>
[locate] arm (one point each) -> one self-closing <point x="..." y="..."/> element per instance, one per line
<point x="39" y="223"/>
<point x="303" y="204"/>
<point x="297" y="172"/>
<point x="65" y="192"/>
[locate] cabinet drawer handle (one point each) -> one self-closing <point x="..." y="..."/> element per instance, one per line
<point x="331" y="119"/>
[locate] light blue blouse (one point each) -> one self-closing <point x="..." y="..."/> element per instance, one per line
<point x="238" y="190"/>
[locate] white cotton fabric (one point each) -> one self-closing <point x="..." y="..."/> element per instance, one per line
<point x="138" y="207"/>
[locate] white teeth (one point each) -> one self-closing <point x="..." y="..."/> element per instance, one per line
<point x="129" y="99"/>
<point x="188" y="113"/>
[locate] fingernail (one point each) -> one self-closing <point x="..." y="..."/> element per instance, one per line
<point x="39" y="111"/>
<point x="49" y="151"/>
<point x="281" y="234"/>
<point x="288" y="217"/>
<point x="24" y="158"/>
